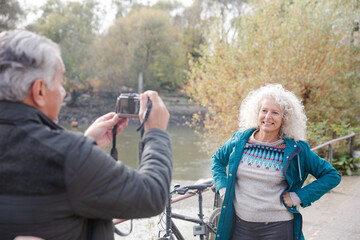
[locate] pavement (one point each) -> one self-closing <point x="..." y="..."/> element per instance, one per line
<point x="336" y="216"/>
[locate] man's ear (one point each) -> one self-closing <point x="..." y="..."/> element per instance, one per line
<point x="37" y="91"/>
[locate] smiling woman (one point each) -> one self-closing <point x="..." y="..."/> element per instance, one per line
<point x="268" y="162"/>
<point x="293" y="123"/>
<point x="269" y="121"/>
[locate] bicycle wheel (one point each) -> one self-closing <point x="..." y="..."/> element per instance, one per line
<point x="213" y="222"/>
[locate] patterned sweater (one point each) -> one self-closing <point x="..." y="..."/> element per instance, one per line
<point x="260" y="183"/>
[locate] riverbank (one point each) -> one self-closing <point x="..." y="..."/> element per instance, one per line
<point x="89" y="107"/>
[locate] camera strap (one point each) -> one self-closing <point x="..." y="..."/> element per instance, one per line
<point x="142" y="126"/>
<point x="114" y="152"/>
<point x="114" y="155"/>
<point x="145" y="118"/>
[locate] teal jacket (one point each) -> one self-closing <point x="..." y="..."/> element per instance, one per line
<point x="299" y="162"/>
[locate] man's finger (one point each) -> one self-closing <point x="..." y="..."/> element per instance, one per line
<point x="153" y="96"/>
<point x="143" y="105"/>
<point x="123" y="122"/>
<point x="105" y="117"/>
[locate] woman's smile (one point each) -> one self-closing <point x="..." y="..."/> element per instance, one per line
<point x="270" y="117"/>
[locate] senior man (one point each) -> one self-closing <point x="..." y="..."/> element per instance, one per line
<point x="56" y="184"/>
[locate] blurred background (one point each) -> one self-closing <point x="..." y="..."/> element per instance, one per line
<point x="203" y="57"/>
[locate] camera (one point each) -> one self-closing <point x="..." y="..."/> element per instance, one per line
<point x="128" y="105"/>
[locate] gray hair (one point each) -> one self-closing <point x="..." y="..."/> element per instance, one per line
<point x="293" y="116"/>
<point x="25" y="57"/>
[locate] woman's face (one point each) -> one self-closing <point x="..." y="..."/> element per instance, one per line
<point x="270" y="116"/>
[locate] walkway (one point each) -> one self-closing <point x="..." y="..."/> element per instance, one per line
<point x="336" y="216"/>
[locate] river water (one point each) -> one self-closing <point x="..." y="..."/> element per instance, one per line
<point x="189" y="162"/>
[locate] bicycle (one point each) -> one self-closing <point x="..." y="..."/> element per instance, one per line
<point x="205" y="230"/>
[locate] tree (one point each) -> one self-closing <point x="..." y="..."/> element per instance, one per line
<point x="73" y="26"/>
<point x="144" y="41"/>
<point x="167" y="6"/>
<point x="193" y="28"/>
<point x="10" y="14"/>
<point x="197" y="20"/>
<point x="304" y="45"/>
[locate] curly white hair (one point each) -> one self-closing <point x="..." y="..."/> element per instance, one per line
<point x="293" y="116"/>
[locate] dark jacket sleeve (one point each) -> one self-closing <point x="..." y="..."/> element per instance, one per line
<point x="99" y="187"/>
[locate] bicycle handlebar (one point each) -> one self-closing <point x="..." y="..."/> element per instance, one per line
<point x="208" y="183"/>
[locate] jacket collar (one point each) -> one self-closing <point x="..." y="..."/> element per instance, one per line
<point x="247" y="133"/>
<point x="18" y="112"/>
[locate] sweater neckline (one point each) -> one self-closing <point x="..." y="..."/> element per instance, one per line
<point x="278" y="142"/>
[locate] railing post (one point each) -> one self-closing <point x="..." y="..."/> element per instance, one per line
<point x="330" y="154"/>
<point x="351" y="150"/>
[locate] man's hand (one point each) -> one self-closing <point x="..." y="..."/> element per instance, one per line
<point x="287" y="200"/>
<point x="101" y="129"/>
<point x="159" y="115"/>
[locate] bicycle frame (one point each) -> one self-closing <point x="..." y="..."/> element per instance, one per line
<point x="171" y="228"/>
<point x="200" y="230"/>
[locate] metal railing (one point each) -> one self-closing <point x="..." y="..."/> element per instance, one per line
<point x="331" y="143"/>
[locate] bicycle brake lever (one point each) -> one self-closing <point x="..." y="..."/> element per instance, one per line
<point x="182" y="190"/>
<point x="175" y="188"/>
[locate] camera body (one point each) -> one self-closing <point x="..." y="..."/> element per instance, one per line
<point x="128" y="105"/>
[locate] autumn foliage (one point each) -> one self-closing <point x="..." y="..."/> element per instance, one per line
<point x="308" y="46"/>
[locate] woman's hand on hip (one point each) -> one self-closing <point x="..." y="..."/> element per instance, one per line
<point x="287" y="200"/>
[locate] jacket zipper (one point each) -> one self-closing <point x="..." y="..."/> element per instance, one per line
<point x="291" y="157"/>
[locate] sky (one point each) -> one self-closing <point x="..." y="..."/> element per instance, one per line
<point x="109" y="18"/>
<point x="31" y="4"/>
<point x="105" y="2"/>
